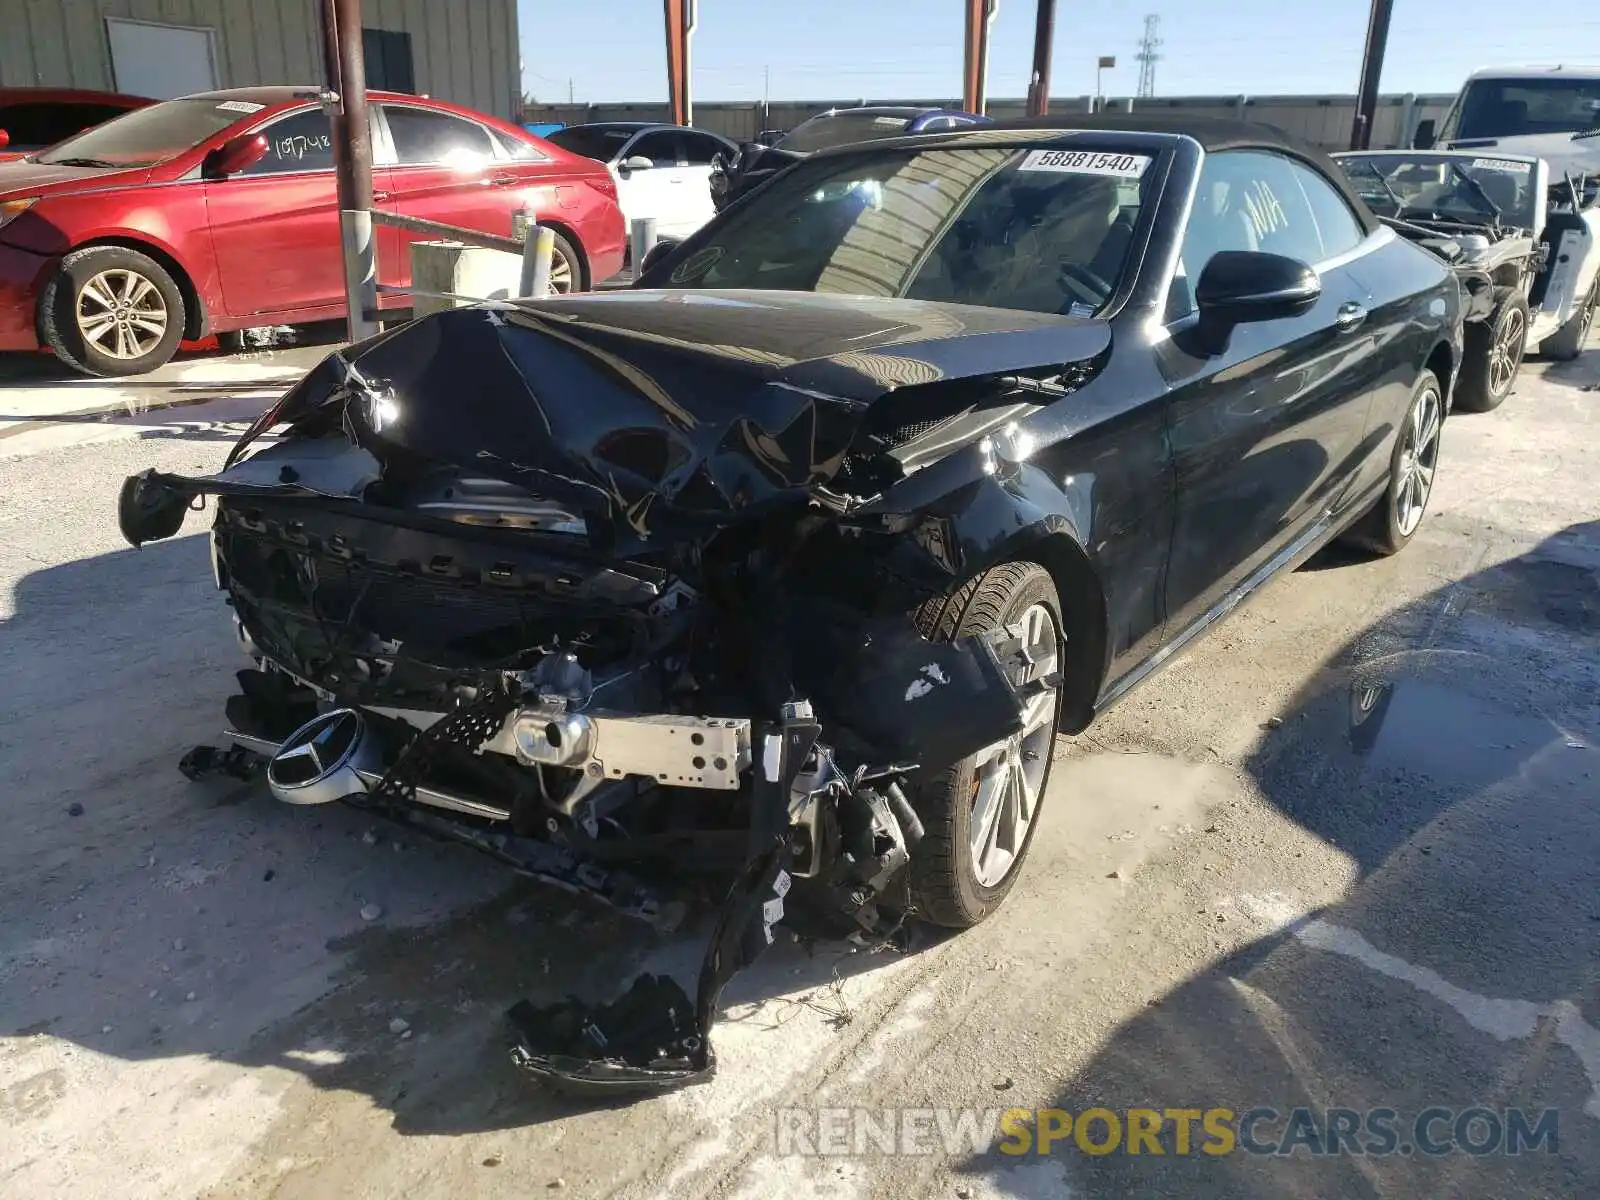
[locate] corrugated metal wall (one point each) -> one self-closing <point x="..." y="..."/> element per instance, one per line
<point x="464" y="50"/>
<point x="1322" y="120"/>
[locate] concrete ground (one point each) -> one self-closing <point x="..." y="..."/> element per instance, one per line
<point x="1343" y="855"/>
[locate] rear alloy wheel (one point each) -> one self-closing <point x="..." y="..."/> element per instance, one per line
<point x="566" y="268"/>
<point x="1494" y="355"/>
<point x="112" y="311"/>
<point x="980" y="815"/>
<point x="1389" y="526"/>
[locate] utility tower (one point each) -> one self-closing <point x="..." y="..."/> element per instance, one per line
<point x="1149" y="54"/>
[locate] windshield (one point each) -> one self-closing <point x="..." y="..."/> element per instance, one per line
<point x="1473" y="191"/>
<point x="1497" y="108"/>
<point x="151" y="135"/>
<point x="1041" y="230"/>
<point x="599" y="142"/>
<point x="840" y="129"/>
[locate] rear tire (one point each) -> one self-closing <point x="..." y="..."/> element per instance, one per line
<point x="109" y="310"/>
<point x="1392" y="522"/>
<point x="1494" y="353"/>
<point x="567" y="270"/>
<point x="1566" y="343"/>
<point x="951" y="884"/>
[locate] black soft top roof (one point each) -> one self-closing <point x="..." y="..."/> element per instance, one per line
<point x="1213" y="133"/>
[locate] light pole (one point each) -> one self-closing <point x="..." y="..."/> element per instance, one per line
<point x="1106" y="62"/>
<point x="1043" y="35"/>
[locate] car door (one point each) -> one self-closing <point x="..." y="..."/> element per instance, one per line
<point x="658" y="190"/>
<point x="452" y="170"/>
<point x="275" y="225"/>
<point x="692" y="206"/>
<point x="1265" y="434"/>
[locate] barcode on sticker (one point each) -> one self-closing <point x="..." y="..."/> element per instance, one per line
<point x="1086" y="162"/>
<point x="240" y="106"/>
<point x="1502" y="164"/>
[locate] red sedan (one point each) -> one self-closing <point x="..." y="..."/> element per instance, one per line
<point x="33" y="118"/>
<point x="217" y="212"/>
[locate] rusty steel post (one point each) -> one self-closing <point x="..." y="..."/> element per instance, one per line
<point x="352" y="156"/>
<point x="1371" y="73"/>
<point x="681" y="17"/>
<point x="1044" y="31"/>
<point x="980" y="14"/>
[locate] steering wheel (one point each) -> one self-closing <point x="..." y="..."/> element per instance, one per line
<point x="1085" y="283"/>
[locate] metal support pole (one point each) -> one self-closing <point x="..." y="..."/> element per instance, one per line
<point x="347" y="77"/>
<point x="681" y="17"/>
<point x="1371" y="73"/>
<point x="537" y="251"/>
<point x="641" y="237"/>
<point x="1044" y="30"/>
<point x="980" y="15"/>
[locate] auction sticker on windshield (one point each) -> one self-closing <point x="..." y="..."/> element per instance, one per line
<point x="1086" y="162"/>
<point x="1510" y="165"/>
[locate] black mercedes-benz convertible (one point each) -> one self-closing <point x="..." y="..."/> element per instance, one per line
<point x="795" y="557"/>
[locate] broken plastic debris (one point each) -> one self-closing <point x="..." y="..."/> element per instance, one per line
<point x="399" y="1025"/>
<point x="371" y="912"/>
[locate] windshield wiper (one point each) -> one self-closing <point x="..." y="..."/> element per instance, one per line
<point x="1383" y="182"/>
<point x="78" y="162"/>
<point x="1477" y="188"/>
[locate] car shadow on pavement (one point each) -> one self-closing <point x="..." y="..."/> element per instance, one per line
<point x="1582" y="373"/>
<point x="1452" y="753"/>
<point x="46" y="371"/>
<point x="150" y="918"/>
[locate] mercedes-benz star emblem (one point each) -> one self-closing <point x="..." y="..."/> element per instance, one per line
<point x="316" y="749"/>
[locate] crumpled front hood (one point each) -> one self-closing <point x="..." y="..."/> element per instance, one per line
<point x="667" y="414"/>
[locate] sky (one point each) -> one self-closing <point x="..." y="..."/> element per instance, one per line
<point x="612" y="50"/>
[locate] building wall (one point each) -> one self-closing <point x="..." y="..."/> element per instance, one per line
<point x="464" y="50"/>
<point x="1322" y="120"/>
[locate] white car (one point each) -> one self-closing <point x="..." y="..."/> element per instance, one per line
<point x="662" y="171"/>
<point x="1514" y="114"/>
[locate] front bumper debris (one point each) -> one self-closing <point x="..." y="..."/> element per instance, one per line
<point x="650" y="1039"/>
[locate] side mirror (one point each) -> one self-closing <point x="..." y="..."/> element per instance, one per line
<point x="1425" y="135"/>
<point x="1240" y="286"/>
<point x="235" y="155"/>
<point x="636" y="162"/>
<point x="656" y="253"/>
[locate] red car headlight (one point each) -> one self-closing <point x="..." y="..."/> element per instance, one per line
<point x="10" y="210"/>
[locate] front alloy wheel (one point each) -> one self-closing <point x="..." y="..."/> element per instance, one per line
<point x="112" y="310"/>
<point x="980" y="815"/>
<point x="122" y="314"/>
<point x="1008" y="777"/>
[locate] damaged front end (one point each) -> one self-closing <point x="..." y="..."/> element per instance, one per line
<point x="611" y="591"/>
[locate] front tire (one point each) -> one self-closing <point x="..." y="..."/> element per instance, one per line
<point x="1493" y="356"/>
<point x="109" y="310"/>
<point x="1389" y="527"/>
<point x="980" y="815"/>
<point x="1566" y="343"/>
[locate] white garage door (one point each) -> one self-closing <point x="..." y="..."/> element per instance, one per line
<point x="161" y="61"/>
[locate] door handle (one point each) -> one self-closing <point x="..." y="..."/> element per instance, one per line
<point x="1350" y="315"/>
<point x="380" y="197"/>
<point x="502" y="180"/>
